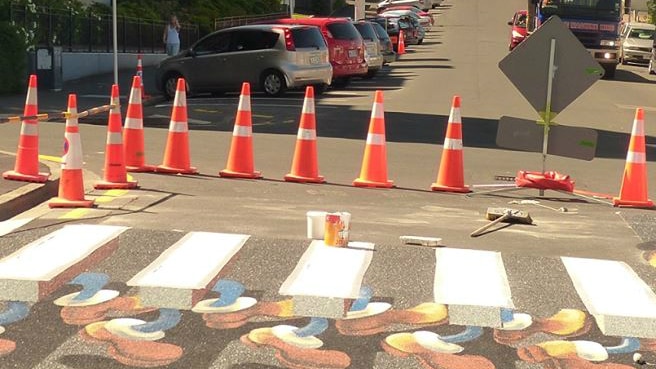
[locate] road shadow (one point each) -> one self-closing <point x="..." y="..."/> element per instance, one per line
<point x="623" y="75"/>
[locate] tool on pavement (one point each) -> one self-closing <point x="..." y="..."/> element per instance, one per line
<point x="421" y="241"/>
<point x="537" y="203"/>
<point x="498" y="215"/>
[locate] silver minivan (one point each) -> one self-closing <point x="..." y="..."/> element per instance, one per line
<point x="373" y="54"/>
<point x="272" y="58"/>
<point x="652" y="61"/>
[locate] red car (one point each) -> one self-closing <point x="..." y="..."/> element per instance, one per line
<point x="345" y="46"/>
<point x="518" y="32"/>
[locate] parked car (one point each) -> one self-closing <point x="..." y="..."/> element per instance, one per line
<point x="424" y="21"/>
<point x="345" y="44"/>
<point x="425" y="16"/>
<point x="637" y="43"/>
<point x="386" y="45"/>
<point x="418" y="32"/>
<point x="518" y="31"/>
<point x="652" y="60"/>
<point x="270" y="57"/>
<point x="424" y="5"/>
<point x="372" y="55"/>
<point x="394" y="25"/>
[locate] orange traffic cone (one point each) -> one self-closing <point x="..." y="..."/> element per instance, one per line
<point x="451" y="173"/>
<point x="133" y="132"/>
<point x="634" y="184"/>
<point x="305" y="167"/>
<point x="374" y="162"/>
<point x="401" y="47"/>
<point x="27" y="155"/>
<point x="140" y="74"/>
<point x="240" y="159"/>
<point x="115" y="176"/>
<point x="176" y="154"/>
<point x="71" y="182"/>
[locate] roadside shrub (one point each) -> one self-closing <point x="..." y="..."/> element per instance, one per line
<point x="13" y="59"/>
<point x="651" y="5"/>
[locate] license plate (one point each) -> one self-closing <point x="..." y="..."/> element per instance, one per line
<point x="315" y="60"/>
<point x="353" y="54"/>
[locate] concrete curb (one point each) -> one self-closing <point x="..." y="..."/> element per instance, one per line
<point x="29" y="195"/>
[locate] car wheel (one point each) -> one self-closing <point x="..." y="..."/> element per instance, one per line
<point x="320" y="88"/>
<point x="341" y="82"/>
<point x="421" y="41"/>
<point x="170" y="84"/>
<point x="650" y="68"/>
<point x="371" y="73"/>
<point x="273" y="83"/>
<point x="610" y="71"/>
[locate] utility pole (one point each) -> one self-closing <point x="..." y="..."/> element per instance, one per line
<point x="115" y="34"/>
<point x="359" y="10"/>
<point x="530" y="19"/>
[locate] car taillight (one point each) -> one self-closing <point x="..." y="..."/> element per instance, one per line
<point x="289" y="41"/>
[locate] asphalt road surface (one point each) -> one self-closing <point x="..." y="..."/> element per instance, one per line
<point x="398" y="315"/>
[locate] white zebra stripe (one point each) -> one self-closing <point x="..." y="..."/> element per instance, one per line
<point x="306" y="134"/>
<point x="375" y="139"/>
<point x="29" y="129"/>
<point x="636" y="157"/>
<point x="452" y="144"/>
<point x="114" y="138"/>
<point x="179" y="127"/>
<point x="133" y="123"/>
<point x="242" y="131"/>
<point x="621" y="302"/>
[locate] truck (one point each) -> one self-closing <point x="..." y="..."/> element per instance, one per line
<point x="596" y="23"/>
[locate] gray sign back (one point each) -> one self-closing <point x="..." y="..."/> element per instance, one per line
<point x="527" y="67"/>
<point x="525" y="135"/>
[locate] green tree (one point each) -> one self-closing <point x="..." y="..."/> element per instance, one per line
<point x="651" y="5"/>
<point x="13" y="58"/>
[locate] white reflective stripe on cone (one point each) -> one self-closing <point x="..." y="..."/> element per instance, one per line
<point x="73" y="158"/>
<point x="31" y="98"/>
<point x="133" y="123"/>
<point x="180" y="99"/>
<point x="306" y="134"/>
<point x="452" y="144"/>
<point x="378" y="111"/>
<point x="114" y="138"/>
<point x="178" y="127"/>
<point x="29" y="129"/>
<point x="638" y="128"/>
<point x="308" y="106"/>
<point x="135" y="96"/>
<point x="375" y="139"/>
<point x="242" y="131"/>
<point x="454" y="117"/>
<point x="636" y="157"/>
<point x="244" y="103"/>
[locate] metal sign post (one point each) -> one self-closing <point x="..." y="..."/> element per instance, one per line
<point x="547" y="113"/>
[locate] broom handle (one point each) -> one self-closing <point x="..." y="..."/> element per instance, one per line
<point x="500" y="219"/>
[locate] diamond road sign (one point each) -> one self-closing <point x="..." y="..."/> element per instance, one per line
<point x="527" y="67"/>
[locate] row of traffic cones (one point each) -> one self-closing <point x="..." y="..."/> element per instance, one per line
<point x="129" y="156"/>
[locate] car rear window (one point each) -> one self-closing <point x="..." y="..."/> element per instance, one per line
<point x="366" y="31"/>
<point x="343" y="31"/>
<point x="308" y="37"/>
<point x="380" y="31"/>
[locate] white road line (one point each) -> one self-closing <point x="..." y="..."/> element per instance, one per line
<point x="174" y="279"/>
<point x="633" y="107"/>
<point x="299" y="106"/>
<point x="189" y="120"/>
<point x="95" y="96"/>
<point x="32" y="272"/>
<point x="621" y="302"/>
<point x="325" y="276"/>
<point x="474" y="285"/>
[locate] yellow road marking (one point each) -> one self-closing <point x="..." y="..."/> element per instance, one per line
<point x="75" y="214"/>
<point x="130" y="178"/>
<point x="262" y="116"/>
<point x="206" y="110"/>
<point x="110" y="195"/>
<point x="54" y="159"/>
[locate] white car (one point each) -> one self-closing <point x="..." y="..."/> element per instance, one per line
<point x="424" y="5"/>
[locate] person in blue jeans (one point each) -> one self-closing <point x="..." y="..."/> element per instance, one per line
<point x="172" y="36"/>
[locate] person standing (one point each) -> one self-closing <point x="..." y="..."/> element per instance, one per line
<point x="172" y="36"/>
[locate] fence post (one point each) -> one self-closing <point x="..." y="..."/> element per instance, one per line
<point x="70" y="30"/>
<point x="49" y="42"/>
<point x="109" y="33"/>
<point x="152" y="28"/>
<point x="139" y="35"/>
<point x="125" y="36"/>
<point x="90" y="30"/>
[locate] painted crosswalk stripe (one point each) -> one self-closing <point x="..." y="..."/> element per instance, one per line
<point x="326" y="276"/>
<point x="621" y="302"/>
<point x="33" y="272"/>
<point x="473" y="284"/>
<point x="180" y="276"/>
